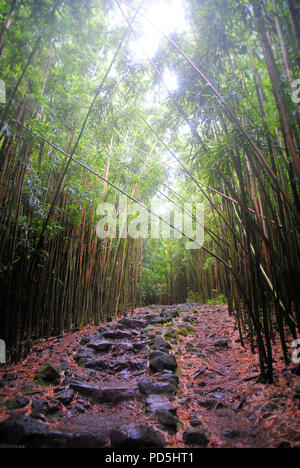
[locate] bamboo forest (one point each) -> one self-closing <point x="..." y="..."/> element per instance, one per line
<point x="149" y="226"/>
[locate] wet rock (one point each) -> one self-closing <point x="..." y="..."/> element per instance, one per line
<point x="84" y="403"/>
<point x="84" y="340"/>
<point x="238" y="405"/>
<point x="83" y="356"/>
<point x="112" y="395"/>
<point x="157" y="404"/>
<point x="100" y="346"/>
<point x="39" y="406"/>
<point x="123" y="347"/>
<point x="20" y="429"/>
<point x="150" y="387"/>
<point x="186" y="331"/>
<point x="17" y="402"/>
<point x="80" y="408"/>
<point x="218" y="395"/>
<point x="221" y="344"/>
<point x="136" y="436"/>
<point x="195" y="437"/>
<point x="94" y="337"/>
<point x="116" y="365"/>
<point x="60" y="439"/>
<point x="133" y="365"/>
<point x="160" y="361"/>
<point x="160" y="345"/>
<point x="230" y="433"/>
<point x="166" y="418"/>
<point x="96" y="364"/>
<point x="53" y="407"/>
<point x="168" y="376"/>
<point x="171" y="334"/>
<point x="117" y="335"/>
<point x="140" y="346"/>
<point x="38" y="416"/>
<point x="132" y="323"/>
<point x="190" y="319"/>
<point x="49" y="374"/>
<point x="171" y="313"/>
<point x="208" y="404"/>
<point x="151" y="399"/>
<point x="65" y="396"/>
<point x="159" y="320"/>
<point x="195" y="422"/>
<point x="84" y="389"/>
<point x="190" y="348"/>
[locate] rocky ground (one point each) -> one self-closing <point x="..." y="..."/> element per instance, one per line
<point x="173" y="377"/>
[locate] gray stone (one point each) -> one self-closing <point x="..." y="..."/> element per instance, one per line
<point x="123" y="347"/>
<point x="230" y="433"/>
<point x="117" y="335"/>
<point x="221" y="344"/>
<point x="132" y="323"/>
<point x="150" y="387"/>
<point x="83" y="356"/>
<point x="208" y="404"/>
<point x="116" y="365"/>
<point x="166" y="418"/>
<point x="136" y="436"/>
<point x="195" y="437"/>
<point x="17" y="402"/>
<point x="168" y="376"/>
<point x="100" y="346"/>
<point x="160" y="361"/>
<point x="140" y="346"/>
<point x="20" y="428"/>
<point x="49" y="374"/>
<point x="161" y="406"/>
<point x="112" y="395"/>
<point x="65" y="396"/>
<point x="160" y="344"/>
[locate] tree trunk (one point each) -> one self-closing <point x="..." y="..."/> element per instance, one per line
<point x="294" y="6"/>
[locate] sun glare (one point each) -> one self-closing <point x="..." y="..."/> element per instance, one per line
<point x="167" y="16"/>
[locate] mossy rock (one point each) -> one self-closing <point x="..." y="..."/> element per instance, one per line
<point x="190" y="348"/>
<point x="186" y="331"/>
<point x="170" y="334"/>
<point x="190" y="319"/>
<point x="48" y="374"/>
<point x="17" y="402"/>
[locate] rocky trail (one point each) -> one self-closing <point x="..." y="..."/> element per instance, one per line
<point x="172" y="377"/>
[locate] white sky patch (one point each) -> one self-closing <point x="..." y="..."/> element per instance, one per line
<point x="170" y="80"/>
<point x="167" y="15"/>
<point x="160" y="92"/>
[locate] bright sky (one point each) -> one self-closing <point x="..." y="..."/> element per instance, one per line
<point x="167" y="15"/>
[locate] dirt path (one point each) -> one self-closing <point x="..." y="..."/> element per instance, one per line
<point x="173" y="377"/>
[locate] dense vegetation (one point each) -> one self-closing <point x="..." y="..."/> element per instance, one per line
<point x="83" y="121"/>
